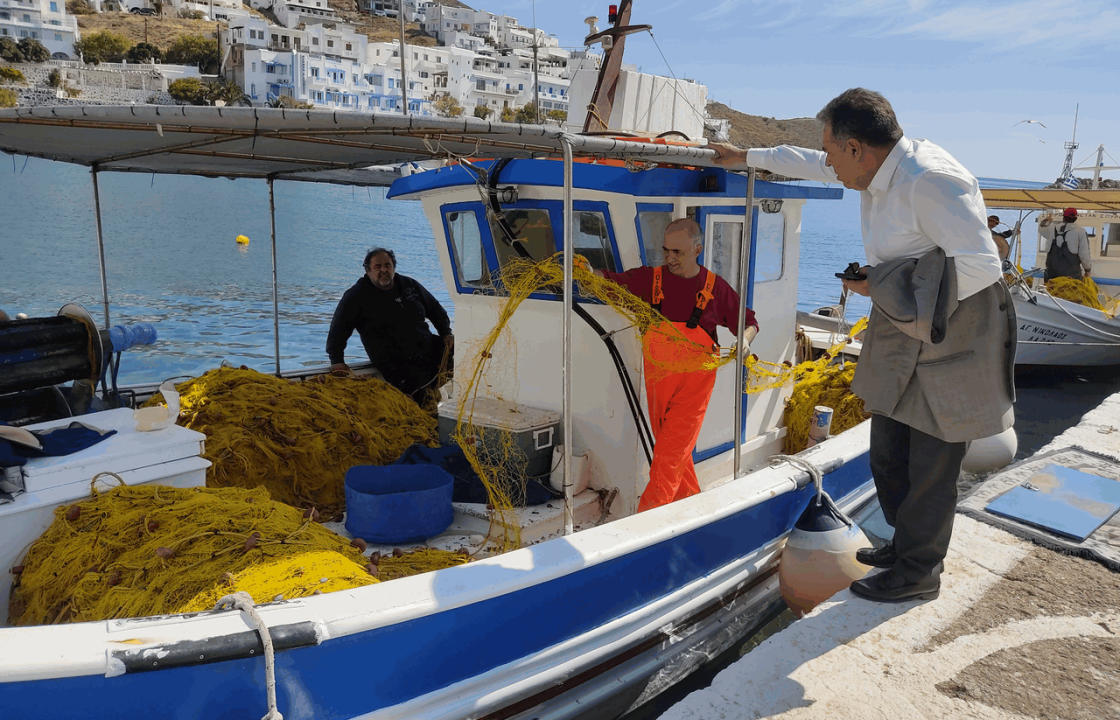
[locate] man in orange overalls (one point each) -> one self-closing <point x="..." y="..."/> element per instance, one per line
<point x="678" y="387"/>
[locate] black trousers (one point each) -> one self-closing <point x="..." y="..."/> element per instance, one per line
<point x="916" y="479"/>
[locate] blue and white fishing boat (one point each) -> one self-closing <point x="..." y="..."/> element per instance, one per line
<point x="601" y="609"/>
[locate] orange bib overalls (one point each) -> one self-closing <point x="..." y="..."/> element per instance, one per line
<point x="677" y="389"/>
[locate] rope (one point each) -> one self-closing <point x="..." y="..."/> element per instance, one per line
<point x="243" y="601"/>
<point x="818" y="481"/>
<point x="814" y="471"/>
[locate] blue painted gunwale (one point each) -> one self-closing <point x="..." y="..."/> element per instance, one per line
<point x="658" y="182"/>
<point x="373" y="669"/>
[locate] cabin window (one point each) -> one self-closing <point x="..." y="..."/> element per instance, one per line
<point x="466" y="242"/>
<point x="532" y="227"/>
<point x="591" y="239"/>
<point x="652" y="224"/>
<point x="770" y="246"/>
<point x="722" y="256"/>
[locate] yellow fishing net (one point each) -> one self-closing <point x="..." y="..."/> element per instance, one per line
<point x="1084" y="292"/>
<point x="150" y="550"/>
<point x="297" y="439"/>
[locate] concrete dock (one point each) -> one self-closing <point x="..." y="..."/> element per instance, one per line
<point x="1019" y="631"/>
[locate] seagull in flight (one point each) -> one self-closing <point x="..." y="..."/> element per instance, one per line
<point x="1039" y="122"/>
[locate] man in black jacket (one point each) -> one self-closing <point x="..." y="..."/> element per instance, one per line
<point x="390" y="313"/>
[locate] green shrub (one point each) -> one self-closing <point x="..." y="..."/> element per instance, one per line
<point x="188" y="90"/>
<point x="143" y="52"/>
<point x="290" y="103"/>
<point x="9" y="50"/>
<point x="54" y="78"/>
<point x="104" y="46"/>
<point x="558" y="115"/>
<point x="482" y="112"/>
<point x="194" y="50"/>
<point x="78" y="7"/>
<point x="8" y="98"/>
<point x="33" y="50"/>
<point x="11" y="74"/>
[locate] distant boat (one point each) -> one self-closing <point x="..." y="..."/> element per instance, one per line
<point x="1053" y="331"/>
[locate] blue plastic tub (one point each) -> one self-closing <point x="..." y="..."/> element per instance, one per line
<point x="397" y="503"/>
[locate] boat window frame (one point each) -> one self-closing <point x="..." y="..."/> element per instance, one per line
<point x="555" y="210"/>
<point x="485" y="240"/>
<point x="705" y="211"/>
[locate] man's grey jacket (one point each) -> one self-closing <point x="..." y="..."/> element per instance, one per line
<point x="942" y="366"/>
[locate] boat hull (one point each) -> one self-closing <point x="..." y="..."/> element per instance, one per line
<point x="1059" y="332"/>
<point x="603" y="618"/>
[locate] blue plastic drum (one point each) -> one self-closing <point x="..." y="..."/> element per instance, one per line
<point x="397" y="503"/>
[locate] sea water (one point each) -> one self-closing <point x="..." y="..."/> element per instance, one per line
<point x="171" y="259"/>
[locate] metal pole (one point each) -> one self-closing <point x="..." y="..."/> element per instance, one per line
<point x="100" y="246"/>
<point x="275" y="291"/>
<point x="744" y="266"/>
<point x="567" y="358"/>
<point x="404" y="76"/>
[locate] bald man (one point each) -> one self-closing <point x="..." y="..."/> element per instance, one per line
<point x="694" y="300"/>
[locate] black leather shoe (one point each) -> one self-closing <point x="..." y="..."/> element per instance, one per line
<point x="880" y="557"/>
<point x="889" y="586"/>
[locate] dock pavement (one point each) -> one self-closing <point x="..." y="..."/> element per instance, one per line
<point x="1019" y="631"/>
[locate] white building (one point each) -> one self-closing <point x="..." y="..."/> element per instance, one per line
<point x="44" y="20"/>
<point x="291" y="13"/>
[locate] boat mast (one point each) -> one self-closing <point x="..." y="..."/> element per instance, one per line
<point x="1066" y="175"/>
<point x="614" y="40"/>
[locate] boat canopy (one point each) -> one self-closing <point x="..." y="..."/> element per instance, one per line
<point x="284" y="144"/>
<point x="1051" y="199"/>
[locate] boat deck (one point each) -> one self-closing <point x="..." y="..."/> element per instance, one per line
<point x="1018" y="631"/>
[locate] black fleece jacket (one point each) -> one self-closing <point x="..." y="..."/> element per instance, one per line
<point x="391" y="323"/>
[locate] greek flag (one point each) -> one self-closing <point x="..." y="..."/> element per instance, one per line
<point x="1071" y="182"/>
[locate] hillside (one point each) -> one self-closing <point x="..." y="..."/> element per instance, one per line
<point x="760" y="131"/>
<point x="159" y="31"/>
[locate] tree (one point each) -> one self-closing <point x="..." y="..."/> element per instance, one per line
<point x="143" y="52"/>
<point x="527" y="114"/>
<point x="557" y="115"/>
<point x="54" y="78"/>
<point x="33" y="50"/>
<point x="194" y="50"/>
<point x="482" y="112"/>
<point x="9" y="50"/>
<point x="447" y="106"/>
<point x="508" y="114"/>
<point x="188" y="90"/>
<point x="104" y="46"/>
<point x="227" y="91"/>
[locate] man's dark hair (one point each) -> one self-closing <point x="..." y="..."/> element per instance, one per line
<point x="861" y="114"/>
<point x="378" y="251"/>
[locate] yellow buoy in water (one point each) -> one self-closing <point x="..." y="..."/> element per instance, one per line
<point x="242" y="239"/>
<point x="819" y="559"/>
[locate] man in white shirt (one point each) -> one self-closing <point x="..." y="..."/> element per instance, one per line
<point x="1067" y="247"/>
<point x="927" y="395"/>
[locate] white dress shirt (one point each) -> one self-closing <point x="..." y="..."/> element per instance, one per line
<point x="920" y="198"/>
<point x="1077" y="241"/>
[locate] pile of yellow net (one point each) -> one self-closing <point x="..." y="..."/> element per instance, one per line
<point x="150" y="550"/>
<point x="1084" y="292"/>
<point x="297" y="439"/>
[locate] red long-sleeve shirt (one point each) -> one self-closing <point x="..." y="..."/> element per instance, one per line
<point x="680" y="297"/>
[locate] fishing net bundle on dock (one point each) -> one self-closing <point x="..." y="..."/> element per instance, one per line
<point x="297" y="439"/>
<point x="150" y="550"/>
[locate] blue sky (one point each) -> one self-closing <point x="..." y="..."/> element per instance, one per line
<point x="962" y="74"/>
